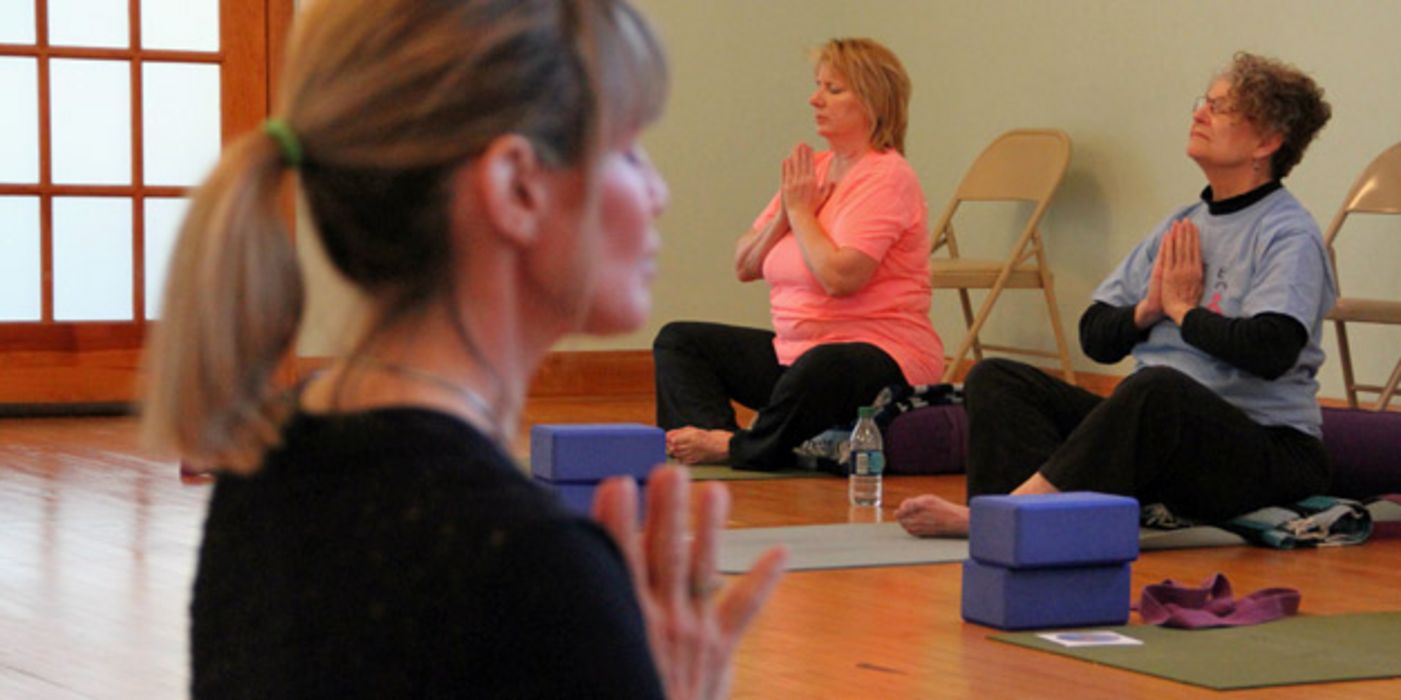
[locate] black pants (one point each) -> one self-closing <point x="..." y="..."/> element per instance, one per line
<point x="700" y="367"/>
<point x="1160" y="437"/>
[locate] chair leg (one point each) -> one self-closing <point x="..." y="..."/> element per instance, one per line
<point x="968" y="340"/>
<point x="1061" y="346"/>
<point x="1345" y="356"/>
<point x="1390" y="389"/>
<point x="971" y="338"/>
<point x="966" y="299"/>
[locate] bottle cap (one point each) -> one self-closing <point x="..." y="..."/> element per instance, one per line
<point x="866" y="412"/>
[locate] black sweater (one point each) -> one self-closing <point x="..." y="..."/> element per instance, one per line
<point x="399" y="553"/>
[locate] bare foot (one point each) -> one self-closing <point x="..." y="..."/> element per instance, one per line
<point x="931" y="516"/>
<point x="698" y="446"/>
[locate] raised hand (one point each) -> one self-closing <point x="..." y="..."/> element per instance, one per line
<point x="694" y="619"/>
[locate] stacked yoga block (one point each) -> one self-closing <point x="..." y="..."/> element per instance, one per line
<point x="572" y="459"/>
<point x="1055" y="560"/>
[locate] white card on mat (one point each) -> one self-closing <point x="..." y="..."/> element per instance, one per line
<point x="1090" y="638"/>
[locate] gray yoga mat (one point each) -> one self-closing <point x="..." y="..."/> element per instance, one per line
<point x="855" y="545"/>
<point x="840" y="546"/>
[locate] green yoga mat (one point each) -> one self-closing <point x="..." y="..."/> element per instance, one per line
<point x="1303" y="649"/>
<point x="721" y="472"/>
<point x="715" y="472"/>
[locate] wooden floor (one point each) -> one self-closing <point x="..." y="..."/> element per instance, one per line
<point x="97" y="547"/>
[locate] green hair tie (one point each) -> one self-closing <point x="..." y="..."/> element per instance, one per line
<point x="287" y="142"/>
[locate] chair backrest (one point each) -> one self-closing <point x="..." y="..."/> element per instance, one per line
<point x="1376" y="191"/>
<point x="1022" y="164"/>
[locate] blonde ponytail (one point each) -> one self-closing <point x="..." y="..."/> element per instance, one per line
<point x="381" y="101"/>
<point x="233" y="302"/>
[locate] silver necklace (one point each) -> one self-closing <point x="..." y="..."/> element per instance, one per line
<point x="461" y="391"/>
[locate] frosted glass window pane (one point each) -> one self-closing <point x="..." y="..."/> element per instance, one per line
<point x="19" y="120"/>
<point x="180" y="122"/>
<point x="20" y="298"/>
<point x="89" y="23"/>
<point x="100" y="23"/>
<point x="163" y="218"/>
<point x="16" y="21"/>
<point x="92" y="259"/>
<point x="91" y="113"/>
<point x="191" y="25"/>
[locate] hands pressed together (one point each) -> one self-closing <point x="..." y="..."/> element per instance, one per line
<point x="1176" y="284"/>
<point x="803" y="193"/>
<point x="694" y="619"/>
<point x="801" y="196"/>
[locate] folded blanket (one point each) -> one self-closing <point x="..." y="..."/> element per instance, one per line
<point x="1316" y="521"/>
<point x="828" y="450"/>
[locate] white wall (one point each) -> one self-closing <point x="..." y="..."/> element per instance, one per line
<point x="1118" y="75"/>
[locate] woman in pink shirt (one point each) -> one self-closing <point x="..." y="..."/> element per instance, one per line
<point x="844" y="247"/>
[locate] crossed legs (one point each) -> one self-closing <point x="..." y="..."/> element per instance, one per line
<point x="702" y="366"/>
<point x="1160" y="437"/>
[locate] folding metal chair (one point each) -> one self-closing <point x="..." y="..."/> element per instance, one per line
<point x="1376" y="191"/>
<point x="1023" y="165"/>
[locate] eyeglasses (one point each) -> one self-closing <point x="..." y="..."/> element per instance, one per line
<point x="1218" y="106"/>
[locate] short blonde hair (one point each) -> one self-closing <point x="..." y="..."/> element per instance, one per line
<point x="387" y="98"/>
<point x="1278" y="98"/>
<point x="879" y="79"/>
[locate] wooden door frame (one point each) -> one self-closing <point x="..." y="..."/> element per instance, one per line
<point x="50" y="367"/>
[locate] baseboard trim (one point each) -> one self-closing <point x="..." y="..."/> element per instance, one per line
<point x="594" y="374"/>
<point x="607" y="374"/>
<point x="576" y="373"/>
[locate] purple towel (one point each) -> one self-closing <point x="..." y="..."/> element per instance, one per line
<point x="1211" y="605"/>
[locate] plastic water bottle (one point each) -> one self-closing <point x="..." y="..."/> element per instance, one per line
<point x="867" y="460"/>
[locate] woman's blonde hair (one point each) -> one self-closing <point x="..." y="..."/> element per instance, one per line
<point x="879" y="79"/>
<point x="1278" y="98"/>
<point x="385" y="98"/>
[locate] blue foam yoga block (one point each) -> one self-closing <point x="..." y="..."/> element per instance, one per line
<point x="579" y="497"/>
<point x="587" y="453"/>
<point x="1015" y="599"/>
<point x="1077" y="528"/>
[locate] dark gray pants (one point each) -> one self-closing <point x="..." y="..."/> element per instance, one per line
<point x="1160" y="437"/>
<point x="700" y="367"/>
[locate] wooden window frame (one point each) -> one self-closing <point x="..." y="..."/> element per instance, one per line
<point x="50" y="362"/>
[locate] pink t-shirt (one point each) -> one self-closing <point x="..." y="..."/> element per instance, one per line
<point x="878" y="208"/>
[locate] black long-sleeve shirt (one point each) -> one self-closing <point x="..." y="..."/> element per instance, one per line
<point x="1266" y="344"/>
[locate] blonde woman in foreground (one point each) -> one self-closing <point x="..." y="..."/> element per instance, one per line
<point x="472" y="167"/>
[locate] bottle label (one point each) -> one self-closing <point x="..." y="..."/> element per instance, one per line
<point x="870" y="463"/>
